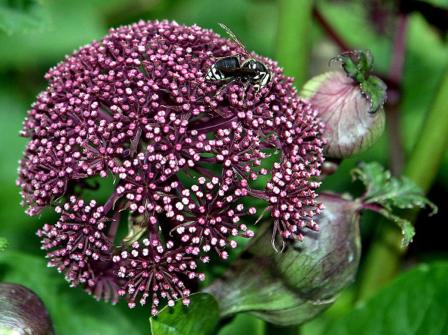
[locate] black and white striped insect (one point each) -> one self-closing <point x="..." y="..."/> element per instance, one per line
<point x="229" y="69"/>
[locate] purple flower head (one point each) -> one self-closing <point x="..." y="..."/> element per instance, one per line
<point x="184" y="153"/>
<point x="151" y="270"/>
<point x="76" y="243"/>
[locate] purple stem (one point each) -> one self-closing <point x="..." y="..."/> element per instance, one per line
<point x="373" y="207"/>
<point x="111" y="201"/>
<point x="215" y="124"/>
<point x="332" y="195"/>
<point x="114" y="225"/>
<point x="205" y="172"/>
<point x="334" y="36"/>
<point x="392" y="84"/>
<point x="396" y="69"/>
<point x="106" y="116"/>
<point x="258" y="194"/>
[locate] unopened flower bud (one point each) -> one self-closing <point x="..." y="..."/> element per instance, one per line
<point x="294" y="286"/>
<point x="22" y="312"/>
<point x="350" y="104"/>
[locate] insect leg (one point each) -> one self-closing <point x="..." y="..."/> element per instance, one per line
<point x="224" y="86"/>
<point x="246" y="86"/>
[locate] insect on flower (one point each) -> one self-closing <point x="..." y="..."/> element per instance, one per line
<point x="229" y="69"/>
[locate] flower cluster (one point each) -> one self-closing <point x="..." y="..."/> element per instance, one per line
<point x="184" y="153"/>
<point x="78" y="247"/>
<point x="150" y="270"/>
<point x="208" y="221"/>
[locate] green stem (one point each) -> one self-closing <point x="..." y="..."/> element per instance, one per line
<point x="294" y="38"/>
<point x="431" y="147"/>
<point x="383" y="260"/>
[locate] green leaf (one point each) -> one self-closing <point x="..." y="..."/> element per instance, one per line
<point x="73" y="311"/>
<point x="243" y="324"/>
<point x="407" y="229"/>
<point x="23" y="16"/>
<point x="199" y="318"/>
<point x="358" y="64"/>
<point x="375" y="91"/>
<point x="414" y="304"/>
<point x="389" y="191"/>
<point x="373" y="176"/>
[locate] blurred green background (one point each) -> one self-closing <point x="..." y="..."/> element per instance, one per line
<point x="35" y="35"/>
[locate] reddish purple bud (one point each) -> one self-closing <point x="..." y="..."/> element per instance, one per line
<point x="22" y="312"/>
<point x="350" y="124"/>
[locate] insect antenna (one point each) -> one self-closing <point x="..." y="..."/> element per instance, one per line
<point x="233" y="36"/>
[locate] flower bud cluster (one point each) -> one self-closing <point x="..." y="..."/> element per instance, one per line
<point x="136" y="106"/>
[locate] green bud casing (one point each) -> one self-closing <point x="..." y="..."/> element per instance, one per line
<point x="294" y="286"/>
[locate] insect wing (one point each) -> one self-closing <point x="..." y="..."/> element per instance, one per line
<point x="223" y="68"/>
<point x="228" y="63"/>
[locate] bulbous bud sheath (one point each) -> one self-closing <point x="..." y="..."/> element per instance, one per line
<point x="350" y="105"/>
<point x="294" y="286"/>
<point x="22" y="312"/>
